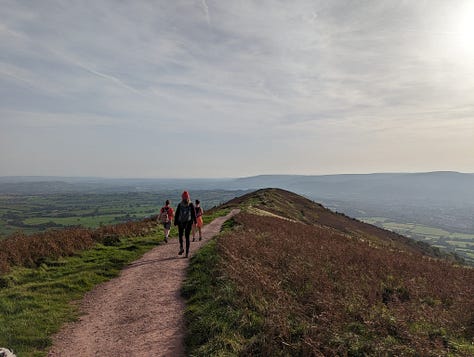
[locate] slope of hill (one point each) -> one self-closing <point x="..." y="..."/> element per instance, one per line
<point x="433" y="207"/>
<point x="296" y="207"/>
<point x="291" y="278"/>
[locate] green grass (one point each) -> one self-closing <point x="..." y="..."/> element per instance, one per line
<point x="34" y="303"/>
<point x="212" y="314"/>
<point x="216" y="324"/>
<point x="209" y="217"/>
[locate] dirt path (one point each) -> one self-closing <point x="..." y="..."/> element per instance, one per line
<point x="139" y="313"/>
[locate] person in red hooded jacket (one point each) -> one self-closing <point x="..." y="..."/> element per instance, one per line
<point x="184" y="218"/>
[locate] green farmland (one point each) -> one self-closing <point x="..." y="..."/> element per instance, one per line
<point x="460" y="243"/>
<point x="34" y="213"/>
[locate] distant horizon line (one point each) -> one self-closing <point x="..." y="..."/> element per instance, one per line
<point x="234" y="177"/>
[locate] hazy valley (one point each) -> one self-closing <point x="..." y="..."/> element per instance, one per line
<point x="436" y="207"/>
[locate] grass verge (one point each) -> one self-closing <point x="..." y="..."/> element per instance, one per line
<point x="217" y="323"/>
<point x="213" y="214"/>
<point x="35" y="302"/>
<point x="212" y="315"/>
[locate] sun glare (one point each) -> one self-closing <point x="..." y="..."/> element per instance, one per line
<point x="465" y="28"/>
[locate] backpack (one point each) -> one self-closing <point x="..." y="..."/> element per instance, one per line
<point x="164" y="217"/>
<point x="185" y="213"/>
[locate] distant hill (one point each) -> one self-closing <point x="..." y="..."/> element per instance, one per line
<point x="438" y="188"/>
<point x="25" y="185"/>
<point x="442" y="187"/>
<point x="291" y="278"/>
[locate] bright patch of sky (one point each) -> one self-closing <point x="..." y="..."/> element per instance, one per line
<point x="235" y="88"/>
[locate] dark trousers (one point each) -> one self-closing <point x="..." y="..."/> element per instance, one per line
<point x="186" y="229"/>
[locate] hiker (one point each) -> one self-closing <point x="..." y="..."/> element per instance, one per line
<point x="184" y="218"/>
<point x="199" y="223"/>
<point x="165" y="217"/>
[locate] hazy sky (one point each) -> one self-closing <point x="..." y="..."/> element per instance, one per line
<point x="213" y="88"/>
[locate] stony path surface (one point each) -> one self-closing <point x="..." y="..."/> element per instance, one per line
<point x="139" y="313"/>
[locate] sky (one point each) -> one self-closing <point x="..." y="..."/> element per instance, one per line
<point x="211" y="88"/>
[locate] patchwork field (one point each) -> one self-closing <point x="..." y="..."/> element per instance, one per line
<point x="35" y="213"/>
<point x="460" y="243"/>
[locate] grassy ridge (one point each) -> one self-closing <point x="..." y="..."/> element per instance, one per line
<point x="290" y="205"/>
<point x="281" y="288"/>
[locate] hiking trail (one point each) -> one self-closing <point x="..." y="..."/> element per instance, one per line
<point x="139" y="313"/>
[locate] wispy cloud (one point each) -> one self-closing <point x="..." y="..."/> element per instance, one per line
<point x="205" y="7"/>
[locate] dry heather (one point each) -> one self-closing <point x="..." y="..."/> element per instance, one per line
<point x="295" y="207"/>
<point x="321" y="293"/>
<point x="31" y="250"/>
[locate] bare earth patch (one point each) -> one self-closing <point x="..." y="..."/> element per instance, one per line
<point x="139" y="313"/>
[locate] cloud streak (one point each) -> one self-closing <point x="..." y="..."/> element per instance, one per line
<point x="205" y="7"/>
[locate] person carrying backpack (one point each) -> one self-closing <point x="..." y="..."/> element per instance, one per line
<point x="184" y="218"/>
<point x="166" y="217"/>
<point x="199" y="223"/>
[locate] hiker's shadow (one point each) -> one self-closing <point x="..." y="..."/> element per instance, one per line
<point x="152" y="261"/>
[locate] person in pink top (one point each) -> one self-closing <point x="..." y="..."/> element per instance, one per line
<point x="199" y="223"/>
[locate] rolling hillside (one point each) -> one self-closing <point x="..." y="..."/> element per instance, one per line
<point x="289" y="277"/>
<point x="290" y="205"/>
<point x="433" y="207"/>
